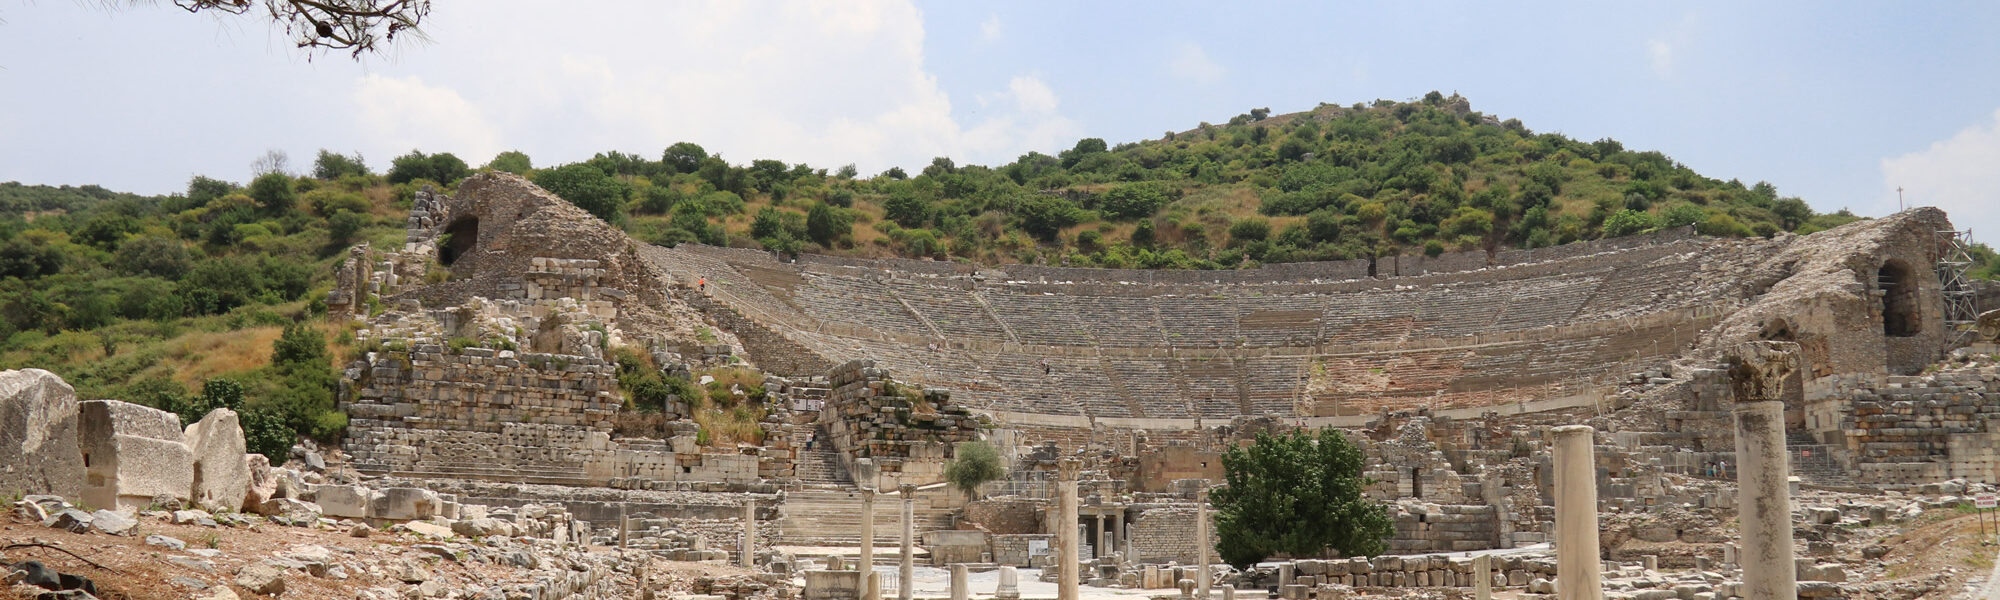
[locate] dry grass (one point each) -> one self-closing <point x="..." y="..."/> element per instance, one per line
<point x="196" y="356"/>
<point x="728" y="426"/>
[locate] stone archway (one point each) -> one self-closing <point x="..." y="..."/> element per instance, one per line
<point x="1898" y="285"/>
<point x="460" y="238"/>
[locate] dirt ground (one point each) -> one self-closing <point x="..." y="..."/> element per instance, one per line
<point x="138" y="571"/>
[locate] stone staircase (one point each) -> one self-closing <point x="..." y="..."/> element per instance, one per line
<point x="832" y="517"/>
<point x="821" y="467"/>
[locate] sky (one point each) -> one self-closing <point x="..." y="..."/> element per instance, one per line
<point x="1839" y="103"/>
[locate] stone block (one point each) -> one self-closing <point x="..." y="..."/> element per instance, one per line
<point x="403" y="504"/>
<point x="132" y="454"/>
<point x="343" y="501"/>
<point x="221" y="477"/>
<point x="38" y="435"/>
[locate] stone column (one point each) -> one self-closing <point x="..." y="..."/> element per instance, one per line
<point x="1577" y="567"/>
<point x="1482" y="577"/>
<point x="1201" y="545"/>
<point x="1010" y="584"/>
<point x="867" y="560"/>
<point x="959" y="584"/>
<point x="1118" y="529"/>
<point x="908" y="573"/>
<point x="1103" y="549"/>
<point x="1066" y="553"/>
<point x="750" y="533"/>
<point x="1758" y="372"/>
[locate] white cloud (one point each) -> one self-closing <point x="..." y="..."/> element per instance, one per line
<point x="1192" y="64"/>
<point x="802" y="81"/>
<point x="1662" y="55"/>
<point x="1957" y="174"/>
<point x="990" y="29"/>
<point x="401" y="113"/>
<point x="1031" y="95"/>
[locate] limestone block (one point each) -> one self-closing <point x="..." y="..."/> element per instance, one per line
<point x="343" y="501"/>
<point x="38" y="437"/>
<point x="403" y="504"/>
<point x="221" y="477"/>
<point x="132" y="454"/>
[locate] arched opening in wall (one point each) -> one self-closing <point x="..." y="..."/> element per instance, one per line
<point x="459" y="238"/>
<point x="1777" y="330"/>
<point x="1899" y="299"/>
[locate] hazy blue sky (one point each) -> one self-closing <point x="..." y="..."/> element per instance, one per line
<point x="1838" y="103"/>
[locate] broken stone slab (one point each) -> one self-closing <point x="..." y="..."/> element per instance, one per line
<point x="71" y="520"/>
<point x="483" y="527"/>
<point x="297" y="512"/>
<point x="133" y="453"/>
<point x="111" y="522"/>
<point x="221" y="476"/>
<point x="169" y="543"/>
<point x="38" y="435"/>
<point x="428" y="529"/>
<point x="261" y="579"/>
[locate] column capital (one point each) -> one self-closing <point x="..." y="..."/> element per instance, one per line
<point x="1569" y="430"/>
<point x="907" y="489"/>
<point x="1759" y="370"/>
<point x="1067" y="469"/>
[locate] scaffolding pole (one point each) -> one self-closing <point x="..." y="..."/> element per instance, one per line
<point x="1961" y="302"/>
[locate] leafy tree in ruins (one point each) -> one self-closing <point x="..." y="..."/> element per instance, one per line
<point x="977" y="463"/>
<point x="1298" y="494"/>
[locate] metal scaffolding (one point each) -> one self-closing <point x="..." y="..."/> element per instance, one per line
<point x="1961" y="302"/>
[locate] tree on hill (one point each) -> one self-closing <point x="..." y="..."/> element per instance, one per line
<point x="511" y="161"/>
<point x="443" y="167"/>
<point x="586" y="187"/>
<point x="1298" y="494"/>
<point x="329" y="166"/>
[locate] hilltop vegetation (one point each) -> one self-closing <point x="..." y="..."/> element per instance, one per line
<point x="1333" y="183"/>
<point x="212" y="296"/>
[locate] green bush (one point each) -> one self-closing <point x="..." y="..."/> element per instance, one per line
<point x="1627" y="222"/>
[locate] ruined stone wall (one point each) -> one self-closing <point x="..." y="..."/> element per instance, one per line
<point x="1014" y="549"/>
<point x="1445" y="528"/>
<point x="1166" y="534"/>
<point x="905" y="433"/>
<point x="1912" y="430"/>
